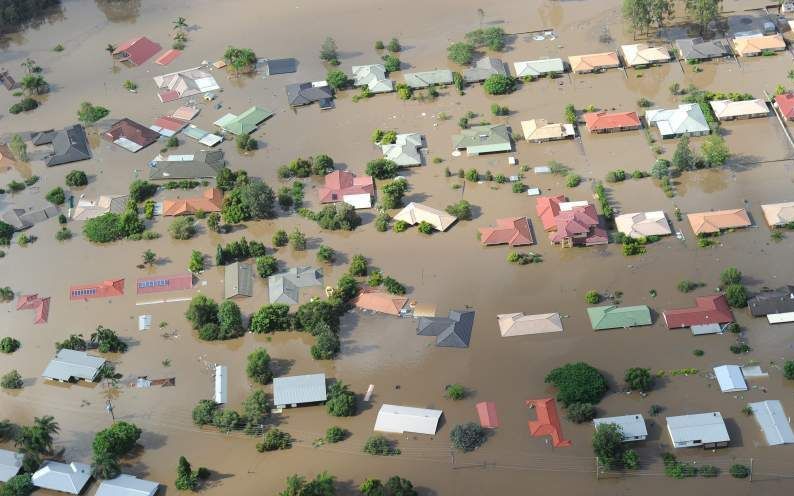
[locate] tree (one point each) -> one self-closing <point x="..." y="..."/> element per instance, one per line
<point x="257" y="199"/>
<point x="467" y="437"/>
<point x="608" y="445"/>
<point x="661" y="168"/>
<point x="392" y="194"/>
<point x="425" y="227"/>
<point x="335" y="434"/>
<point x="731" y="275"/>
<point x="347" y="287"/>
<point x="273" y="440"/>
<point x="660" y="10"/>
<point x="76" y="178"/>
<point x="637" y="13"/>
<point x="358" y="266"/>
<point x="117" y="440"/>
<point x="56" y="196"/>
<point x="245" y="143"/>
<point x="461" y="53"/>
<point x="196" y="263"/>
<point x="186" y="479"/>
<point x="573" y="180"/>
<point x="256" y="407"/>
<point x="499" y="84"/>
<point x="9" y="345"/>
<point x="683" y="158"/>
<point x="280" y="238"/>
<point x="241" y="59"/>
<point x="149" y="257"/>
<point x="394" y="45"/>
<point x="321" y="164"/>
<point x="393" y="286"/>
<point x="73" y="342"/>
<point x="204" y="412"/>
<point x="325" y="254"/>
<point x="581" y="412"/>
<point x="577" y="383"/>
<point x="638" y="379"/>
<point x="739" y="471"/>
<point x="258" y="366"/>
<point x="379" y="445"/>
<point x="182" y="228"/>
<point x="391" y="63"/>
<point x="266" y="266"/>
<point x="341" y="401"/>
<point x="326" y="347"/>
<point x="570" y="114"/>
<point x="492" y="38"/>
<point x="461" y="210"/>
<point x="338" y="216"/>
<point x="321" y="485"/>
<point x="337" y="79"/>
<point x="455" y="392"/>
<point x="202" y="311"/>
<point x="34" y="84"/>
<point x="180" y="23"/>
<point x="107" y="340"/>
<point x="788" y="370"/>
<point x="328" y="51"/>
<point x="312" y="315"/>
<point x="703" y="11"/>
<point x="141" y="190"/>
<point x="18" y="485"/>
<point x="270" y="318"/>
<point x="297" y="240"/>
<point x="230" y="320"/>
<point x="11" y="380"/>
<point x="381" y="168"/>
<point x="89" y="114"/>
<point x="736" y="295"/>
<point x="19" y="148"/>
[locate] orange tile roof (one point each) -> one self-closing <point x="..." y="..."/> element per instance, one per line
<point x="602" y="121"/>
<point x="35" y="302"/>
<point x="513" y="231"/>
<point x="548" y="422"/>
<point x="547" y="208"/>
<point x="340" y="183"/>
<point x="593" y="61"/>
<point x="713" y="222"/>
<point x="210" y="200"/>
<point x="379" y="301"/>
<point x="757" y="44"/>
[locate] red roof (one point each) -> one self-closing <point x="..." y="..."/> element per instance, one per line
<point x="602" y="121"/>
<point x="340" y="183"/>
<point x="379" y="301"/>
<point x="510" y="230"/>
<point x="137" y="50"/>
<point x="168" y="57"/>
<point x="547" y="208"/>
<point x="486" y="410"/>
<point x="548" y="422"/>
<point x="114" y="287"/>
<point x="580" y="223"/>
<point x="785" y="103"/>
<point x="170" y="123"/>
<point x="34" y="302"/>
<point x="162" y="284"/>
<point x="211" y="200"/>
<point x="132" y="131"/>
<point x="712" y="309"/>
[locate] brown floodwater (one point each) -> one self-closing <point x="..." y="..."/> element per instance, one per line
<point x="450" y="270"/>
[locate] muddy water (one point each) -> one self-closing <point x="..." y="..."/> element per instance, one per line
<point x="450" y="270"/>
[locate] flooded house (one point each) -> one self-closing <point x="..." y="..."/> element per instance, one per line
<point x="285" y="287"/>
<point x="297" y="390"/>
<point x="184" y="84"/>
<point x="68" y="145"/>
<point x="10" y="464"/>
<point x="539" y="68"/>
<point x="611" y="122"/>
<point x="479" y="140"/>
<point x="521" y="324"/>
<point x="164" y="284"/>
<point x="127" y="485"/>
<point x="616" y="317"/>
<point x="643" y="55"/>
<point x="419" y="80"/>
<point x="415" y="213"/>
<point x="210" y="200"/>
<point x="24" y="218"/>
<point x="238" y="280"/>
<point x="639" y="225"/>
<point x="777" y="306"/>
<point x="90" y="209"/>
<point x="728" y="110"/>
<point x="574" y="224"/>
<point x="593" y="62"/>
<point x="708" y="311"/>
<point x="244" y="123"/>
<point x="541" y="131"/>
<point x="512" y="231"/>
<point x="785" y="103"/>
<point x="686" y="119"/>
<point x="758" y="44"/>
<point x="346" y="187"/>
<point x="698" y="49"/>
<point x="130" y="135"/>
<point x="772" y="420"/>
<point x="700" y="429"/>
<point x="485" y="68"/>
<point x="62" y="477"/>
<point x="401" y="419"/>
<point x="301" y="94"/>
<point x="730" y="378"/>
<point x="136" y="51"/>
<point x="71" y="365"/>
<point x="379" y="301"/>
<point x="632" y="426"/>
<point x="715" y="221"/>
<point x="103" y="289"/>
<point x="373" y="77"/>
<point x="406" y="149"/>
<point x="452" y="331"/>
<point x="203" y="164"/>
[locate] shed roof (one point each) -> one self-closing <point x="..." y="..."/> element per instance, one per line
<point x="10" y="464"/>
<point x="643" y="224"/>
<point x="221" y="384"/>
<point x="537" y="67"/>
<point x="703" y="427"/>
<point x="730" y="378"/>
<point x="615" y="317"/>
<point x="69" y="364"/>
<point x="520" y="324"/>
<point x="773" y="422"/>
<point x="238" y="280"/>
<point x="298" y="389"/>
<point x="400" y="419"/>
<point x="127" y="485"/>
<point x="67" y="478"/>
<point x="715" y="221"/>
<point x="631" y="426"/>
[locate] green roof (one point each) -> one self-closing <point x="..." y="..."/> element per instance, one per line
<point x="614" y="317"/>
<point x="245" y="122"/>
<point x="483" y="139"/>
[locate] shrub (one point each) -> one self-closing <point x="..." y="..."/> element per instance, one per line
<point x="731" y="275"/>
<point x="339" y="216"/>
<point x="608" y="445"/>
<point x="577" y="383"/>
<point x="686" y="286"/>
<point x="698" y="352"/>
<point x="461" y="210"/>
<point x="317" y="316"/>
<point x="715" y="151"/>
<point x="499" y="84"/>
<point x="201" y="311"/>
<point x="280" y="238"/>
<point x="736" y="295"/>
<point x="379" y="445"/>
<point x="739" y="471"/>
<point x="186" y="479"/>
<point x="258" y="366"/>
<point x="341" y="401"/>
<point x="358" y="266"/>
<point x="573" y="180"/>
<point x="90" y="114"/>
<point x="204" y="412"/>
<point x="382" y="222"/>
<point x="182" y="228"/>
<point x="708" y="471"/>
<point x="337" y="79"/>
<point x="472" y="175"/>
<point x="400" y="226"/>
<point x="9" y="345"/>
<point x="519" y="187"/>
<point x="270" y="318"/>
<point x="381" y="168"/>
<point x="493" y="38"/>
<point x="76" y="178"/>
<point x="347" y="287"/>
<point x="739" y="348"/>
<point x="394" y="45"/>
<point x="391" y="63"/>
<point x="107" y="341"/>
<point x="581" y="412"/>
<point x="616" y="176"/>
<point x="335" y="434"/>
<point x="73" y="342"/>
<point x="638" y="379"/>
<point x="788" y="370"/>
<point x="455" y="392"/>
<point x="467" y="437"/>
<point x="425" y="227"/>
<point x="326" y="347"/>
<point x="56" y="196"/>
<point x="592" y="297"/>
<point x="18" y="485"/>
<point x="297" y="240"/>
<point x="273" y="440"/>
<point x="245" y="143"/>
<point x="404" y="92"/>
<point x="393" y="287"/>
<point x="461" y="53"/>
<point x="497" y="109"/>
<point x="379" y="45"/>
<point x="11" y="380"/>
<point x="25" y="105"/>
<point x="644" y="102"/>
<point x="392" y="194"/>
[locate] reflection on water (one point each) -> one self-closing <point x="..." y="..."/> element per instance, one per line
<point x="118" y="11"/>
<point x="705" y="181"/>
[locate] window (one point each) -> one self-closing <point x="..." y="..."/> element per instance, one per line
<point x="84" y="292"/>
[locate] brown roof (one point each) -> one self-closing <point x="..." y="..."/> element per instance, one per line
<point x="713" y="222"/>
<point x="513" y="231"/>
<point x="593" y="61"/>
<point x="752" y="45"/>
<point x="132" y="131"/>
<point x="210" y="200"/>
<point x="712" y="309"/>
<point x="379" y="301"/>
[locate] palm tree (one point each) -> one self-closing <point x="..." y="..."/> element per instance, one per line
<point x="180" y="23"/>
<point x="33" y="84"/>
<point x="47" y="427"/>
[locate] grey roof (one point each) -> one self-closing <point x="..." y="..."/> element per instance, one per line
<point x="452" y="331"/>
<point x="285" y="287"/>
<point x="298" y="389"/>
<point x="483" y="69"/>
<point x="426" y="78"/>
<point x="69" y="145"/>
<point x="372" y="76"/>
<point x="490" y="137"/>
<point x="306" y="93"/>
<point x="67" y="478"/>
<point x="632" y="426"/>
<point x="23" y="218"/>
<point x="405" y="150"/>
<point x="771" y="302"/>
<point x="700" y="428"/>
<point x="238" y="280"/>
<point x="773" y="422"/>
<point x="280" y="66"/>
<point x="698" y="49"/>
<point x="127" y="485"/>
<point x="687" y="118"/>
<point x="69" y="364"/>
<point x="202" y="164"/>
<point x="10" y="463"/>
<point x="538" y="67"/>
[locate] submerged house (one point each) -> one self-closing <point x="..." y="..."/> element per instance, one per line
<point x="23" y="218"/>
<point x="730" y="378"/>
<point x="164" y="284"/>
<point x="127" y="485"/>
<point x="714" y="222"/>
<point x="778" y="214"/>
<point x="238" y="280"/>
<point x="380" y="301"/>
<point x="643" y="224"/>
<point x="451" y="331"/>
<point x="687" y="119"/>
<point x="285" y="287"/>
<point x="211" y="200"/>
<point x="513" y="231"/>
<point x="37" y="303"/>
<point x="593" y="62"/>
<point x="405" y="150"/>
<point x="698" y="49"/>
<point x="777" y="306"/>
<point x="540" y="131"/>
<point x="373" y="77"/>
<point x="643" y="55"/>
<point x="538" y="68"/>
<point x="204" y="164"/>
<point x="606" y="122"/>
<point x="204" y="137"/>
<point x="632" y="426"/>
<point x="785" y="103"/>
<point x="415" y="213"/>
<point x="477" y="140"/>
<point x="483" y="69"/>
<point x="183" y="84"/>
<point x="299" y="390"/>
<point x="346" y="187"/>
<point x="245" y="123"/>
<point x="708" y="310"/>
<point x="577" y="224"/>
<point x="62" y="477"/>
<point x="167" y="125"/>
<point x="758" y="44"/>
<point x="419" y="80"/>
<point x="130" y="135"/>
<point x="615" y="317"/>
<point x="520" y="324"/>
<point x="105" y="289"/>
<point x="70" y="365"/>
<point x="136" y="51"/>
<point x="300" y="94"/>
<point x="773" y="422"/>
<point x="728" y="110"/>
<point x="401" y="419"/>
<point x="700" y="429"/>
<point x="10" y="464"/>
<point x="68" y="145"/>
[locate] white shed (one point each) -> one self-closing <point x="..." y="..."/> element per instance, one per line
<point x="730" y="378"/>
<point x="221" y="384"/>
<point x="400" y="419"/>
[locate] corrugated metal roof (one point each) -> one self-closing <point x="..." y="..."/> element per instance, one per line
<point x="10" y="464"/>
<point x="127" y="485"/>
<point x="614" y="317"/>
<point x="221" y="384"/>
<point x="730" y="378"/>
<point x="67" y="478"/>
<point x="238" y="280"/>
<point x="773" y="422"/>
<point x="632" y="426"/>
<point x="69" y="364"/>
<point x="298" y="389"/>
<point x="400" y="419"/>
<point x="699" y="428"/>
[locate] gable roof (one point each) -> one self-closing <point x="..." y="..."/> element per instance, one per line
<point x="687" y="118"/>
<point x="452" y="331"/>
<point x="547" y="208"/>
<point x="773" y="422"/>
<point x="340" y="183"/>
<point x="513" y="231"/>
<point x="426" y="78"/>
<point x="614" y="317"/>
<point x="600" y="121"/>
<point x="483" y="69"/>
<point x="184" y="83"/>
<point x="23" y="218"/>
<point x="729" y="109"/>
<point x="414" y="213"/>
<point x="713" y="222"/>
<point x="238" y="280"/>
<point x="306" y="93"/>
<point x="632" y="426"/>
<point x="753" y="45"/>
<point x="244" y="123"/>
<point x="68" y="145"/>
<point x="169" y="56"/>
<point x="164" y="283"/>
<point x="372" y="76"/>
<point x="379" y="301"/>
<point x="548" y="421"/>
<point x="127" y="485"/>
<point x="167" y="125"/>
<point x="542" y="130"/>
<point x="593" y="61"/>
<point x="298" y="389"/>
<point x="37" y="303"/>
<point x="537" y="67"/>
<point x="579" y="222"/>
<point x="705" y="428"/>
<point x="483" y="139"/>
<point x="643" y="224"/>
<point x="275" y="67"/>
<point x="644" y="54"/>
<point x="401" y="419"/>
<point x="520" y="324"/>
<point x="130" y="135"/>
<point x="785" y="103"/>
<point x="730" y="378"/>
<point x="137" y="50"/>
<point x="772" y="302"/>
<point x="106" y="288"/>
<point x="285" y="286"/>
<point x="712" y="309"/>
<point x="405" y="150"/>
<point x="69" y="364"/>
<point x="698" y="49"/>
<point x="202" y="164"/>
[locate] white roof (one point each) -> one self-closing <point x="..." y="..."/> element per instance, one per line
<point x="643" y="54"/>
<point x="730" y="378"/>
<point x="400" y="419"/>
<point x="567" y="206"/>
<point x="210" y="139"/>
<point x="726" y="109"/>
<point x="703" y="427"/>
<point x="298" y="389"/>
<point x="541" y="129"/>
<point x="127" y="485"/>
<point x="359" y="200"/>
<point x="128" y="144"/>
<point x="67" y="478"/>
<point x="773" y="422"/>
<point x="10" y="463"/>
<point x="643" y="224"/>
<point x="221" y="384"/>
<point x="631" y="425"/>
<point x="414" y="213"/>
<point x="538" y="67"/>
<point x="373" y="77"/>
<point x="405" y="150"/>
<point x="519" y="324"/>
<point x="778" y="213"/>
<point x="71" y="363"/>
<point x="687" y="118"/>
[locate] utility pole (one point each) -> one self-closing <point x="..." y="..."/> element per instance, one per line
<point x="109" y="408"/>
<point x="751" y="470"/>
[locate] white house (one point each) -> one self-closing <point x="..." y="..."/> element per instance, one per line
<point x="632" y="426"/>
<point x="773" y="422"/>
<point x="699" y="429"/>
<point x="400" y="419"/>
<point x="63" y="477"/>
